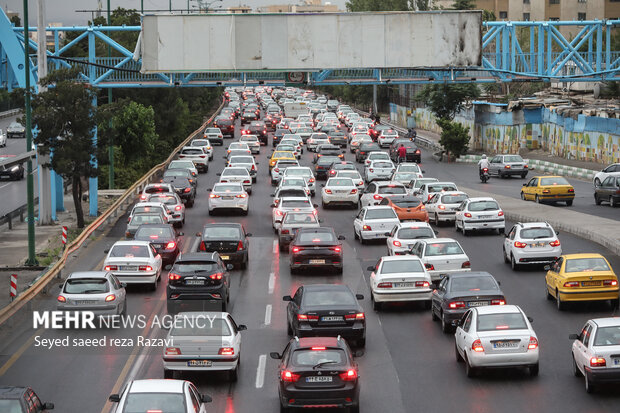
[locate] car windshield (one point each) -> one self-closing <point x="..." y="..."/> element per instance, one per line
<point x="299" y="219"/>
<point x="155" y="402"/>
<point x="471" y="283"/>
<point x="218" y="232"/>
<point x="235" y="172"/>
<point x="312" y="357"/>
<point x="146" y="219"/>
<point x="206" y="325"/>
<point x="555" y="180"/>
<point x="513" y="158"/>
<point x="329" y="298"/>
<point x="443" y="248"/>
<point x="534" y="233"/>
<point x="181" y="165"/>
<point x="392" y="189"/>
<point x="380" y="213"/>
<point x="483" y="206"/>
<point x="227" y="188"/>
<point x="400" y="266"/>
<point x="415" y="233"/>
<point x="586" y="264"/>
<point x="340" y="182"/>
<point x="607" y="336"/>
<point x="441" y="187"/>
<point x="86" y="286"/>
<point x="406" y="203"/>
<point x="241" y="159"/>
<point x="501" y="321"/>
<point x="129" y="251"/>
<point x="155" y="232"/>
<point x="212" y="130"/>
<point x="453" y="199"/>
<point x="316" y="237"/>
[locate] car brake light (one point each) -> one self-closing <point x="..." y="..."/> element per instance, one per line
<point x="397" y="243"/>
<point x="171" y="245"/>
<point x="317" y="348"/>
<point x="429" y="266"/>
<point x="276" y="169"/>
<point x="214" y="196"/>
<point x="519" y="244"/>
<point x="285" y="231"/>
<point x="357" y="316"/>
<point x="311" y="180"/>
<point x="353" y="191"/>
<point x="366" y="228"/>
<point x="110" y="297"/>
<point x="111" y="267"/>
<point x="555" y="243"/>
<point x="466" y="264"/>
<point x="533" y="343"/>
<point x="571" y="190"/>
<point x="305" y="317"/>
<point x="378" y="197"/>
<point x="371" y="170"/>
<point x="61" y="299"/>
<point x="457" y="304"/>
<point x="477" y="346"/>
<point x="253" y="167"/>
<point x="498" y="301"/>
<point x="173" y="277"/>
<point x="241" y="196"/>
<point x="177" y="208"/>
<point x="145" y="268"/>
<point x="507" y="167"/>
<point x="598" y="362"/>
<point x="422" y="283"/>
<point x="216" y="276"/>
<point x="336" y="249"/>
<point x="186" y="190"/>
<point x="500" y="214"/>
<point x="610" y="283"/>
<point x="571" y="284"/>
<point x="441" y="207"/>
<point x="226" y="351"/>
<point x="287" y="376"/>
<point x="467" y="215"/>
<point x="349" y="375"/>
<point x="247" y="181"/>
<point x="173" y="351"/>
<point x="546" y="191"/>
<point x="296" y="250"/>
<point x="240" y="246"/>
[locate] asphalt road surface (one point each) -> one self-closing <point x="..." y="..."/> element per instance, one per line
<point x="408" y="365"/>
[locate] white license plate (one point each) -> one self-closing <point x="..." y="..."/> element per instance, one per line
<point x="86" y="302"/>
<point x="225" y="257"/>
<point x="477" y="303"/>
<point x="404" y="285"/>
<point x="228" y="198"/>
<point x="485" y="216"/>
<point x="316" y="262"/>
<point x="505" y="344"/>
<point x="129" y="268"/>
<point x="332" y="318"/>
<point x="319" y="379"/>
<point x="199" y="363"/>
<point x="537" y="245"/>
<point x="194" y="282"/>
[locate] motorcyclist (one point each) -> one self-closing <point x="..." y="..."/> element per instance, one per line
<point x="483" y="163"/>
<point x="411" y="134"/>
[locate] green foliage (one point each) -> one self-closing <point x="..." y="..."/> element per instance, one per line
<point x="446" y="100"/>
<point x="423" y="5"/>
<point x="454" y="137"/>
<point x="611" y="90"/>
<point x="464" y="5"/>
<point x="378" y="5"/>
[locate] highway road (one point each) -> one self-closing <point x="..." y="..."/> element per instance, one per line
<point x="408" y="364"/>
<point x="13" y="193"/>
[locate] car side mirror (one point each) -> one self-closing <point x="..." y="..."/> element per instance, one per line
<point x="205" y="398"/>
<point x="198" y="234"/>
<point x="530" y="319"/>
<point x="358" y="353"/>
<point x="209" y="189"/>
<point x="436" y="232"/>
<point x="249" y="234"/>
<point x="224" y="157"/>
<point x="320" y="221"/>
<point x="322" y="185"/>
<point x="218" y="174"/>
<point x="48" y="406"/>
<point x="423" y="172"/>
<point x="60" y="285"/>
<point x="273" y="205"/>
<point x="315" y="205"/>
<point x="547" y="267"/>
<point x="458" y="323"/>
<point x="370" y="268"/>
<point x="359" y="296"/>
<point x="242" y="327"/>
<point x="524" y="185"/>
<point x="287" y="298"/>
<point x="257" y="163"/>
<point x="114" y="398"/>
<point x="499" y="283"/>
<point x="273" y="195"/>
<point x="106" y="251"/>
<point x="341" y="237"/>
<point x="506" y="235"/>
<point x="573" y="336"/>
<point x="230" y="267"/>
<point x="275" y="355"/>
<point x="124" y="285"/>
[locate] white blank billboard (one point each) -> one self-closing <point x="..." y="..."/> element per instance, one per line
<point x="310" y="42"/>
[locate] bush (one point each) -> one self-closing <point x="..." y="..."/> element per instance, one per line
<point x="454" y="137"/>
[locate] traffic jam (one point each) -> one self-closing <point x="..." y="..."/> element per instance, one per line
<point x="334" y="183"/>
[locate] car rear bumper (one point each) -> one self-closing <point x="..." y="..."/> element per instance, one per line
<point x="373" y="234"/>
<point x="445" y="216"/>
<point x="531" y="256"/>
<point x="146" y="278"/>
<point x="175" y="364"/>
<point x="381" y="296"/>
<point x="603" y="375"/>
<point x="484" y="224"/>
<point x="228" y="204"/>
<point x="556" y="198"/>
<point x="587" y="295"/>
<point x="320" y="398"/>
<point x="512" y="172"/>
<point x="341" y="198"/>
<point x="525" y="359"/>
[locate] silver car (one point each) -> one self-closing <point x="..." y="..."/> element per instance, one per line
<point x="291" y="223"/>
<point x="99" y="292"/>
<point x="504" y="166"/>
<point x="173" y="204"/>
<point x="237" y="174"/>
<point x="228" y="196"/>
<point x="139" y="219"/>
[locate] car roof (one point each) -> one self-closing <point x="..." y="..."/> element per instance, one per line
<point x="494" y="309"/>
<point x="88" y="274"/>
<point x="482" y="198"/>
<point x="132" y="242"/>
<point x="607" y="321"/>
<point x="315" y="230"/>
<point x="157" y="386"/>
<point x="400" y="258"/>
<point x="437" y="240"/>
<point x="414" y="224"/>
<point x="326" y="287"/>
<point x="534" y="224"/>
<point x="470" y="274"/>
<point x="196" y="256"/>
<point x="583" y="255"/>
<point x="223" y="224"/>
<point x="309" y="342"/>
<point x="403" y="198"/>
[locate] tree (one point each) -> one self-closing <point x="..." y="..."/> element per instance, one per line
<point x="16" y="21"/>
<point x="378" y="5"/>
<point x="464" y="5"/>
<point x="454" y="137"/>
<point x="445" y="100"/>
<point x="66" y="119"/>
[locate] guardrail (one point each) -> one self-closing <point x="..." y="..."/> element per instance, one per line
<point x="18" y="212"/>
<point x="9" y="113"/>
<point x="111" y="215"/>
<point x="14" y="160"/>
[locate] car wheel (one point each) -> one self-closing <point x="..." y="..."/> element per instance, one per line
<point x="124" y="312"/>
<point x="245" y="212"/>
<point x="506" y="260"/>
<point x="464" y="231"/>
<point x="612" y="201"/>
<point x="597" y="182"/>
<point x="513" y="263"/>
<point x="323" y="204"/>
<point x="614" y="303"/>
<point x="254" y="180"/>
<point x="558" y="301"/>
<point x="355" y="234"/>
<point x="537" y="199"/>
<point x="153" y="286"/>
<point x="523" y="176"/>
<point x="339" y="270"/>
<point x="445" y="326"/>
<point x="233" y="375"/>
<point x="457" y="355"/>
<point x="355" y="408"/>
<point x="211" y="212"/>
<point x="569" y="203"/>
<point x="362" y="240"/>
<point x="224" y="306"/>
<point x="534" y="369"/>
<point x="168" y="374"/>
<point x="597" y="200"/>
<point x="456" y="225"/>
<point x="588" y="383"/>
<point x="289" y="329"/>
<point x="576" y="371"/>
<point x="547" y="293"/>
<point x="433" y="315"/>
<point x="243" y="265"/>
<point x="375" y="305"/>
<point x="436" y="220"/>
<point x="523" y="197"/>
<point x="284" y="409"/>
<point x="469" y="370"/>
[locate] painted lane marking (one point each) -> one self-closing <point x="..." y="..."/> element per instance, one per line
<point x="260" y="371"/>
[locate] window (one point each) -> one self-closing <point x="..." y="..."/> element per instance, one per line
<point x="526" y="17"/>
<point x="581" y="16"/>
<point x="526" y="1"/>
<point x="582" y="1"/>
<point x="554" y="1"/>
<point x="503" y="14"/>
<point x="554" y="19"/>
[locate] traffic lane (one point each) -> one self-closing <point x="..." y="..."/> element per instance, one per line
<point x="467" y="176"/>
<point x="14" y="194"/>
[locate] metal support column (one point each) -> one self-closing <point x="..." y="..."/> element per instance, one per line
<point x="111" y="144"/>
<point x="93" y="183"/>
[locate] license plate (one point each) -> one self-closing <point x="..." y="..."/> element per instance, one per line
<point x="319" y="379"/>
<point x="225" y="257"/>
<point x="316" y="262"/>
<point x="194" y="282"/>
<point x="537" y="245"/>
<point x="485" y="216"/>
<point x="332" y="318"/>
<point x="404" y="285"/>
<point x="227" y="198"/>
<point x="505" y="344"/>
<point x="477" y="303"/>
<point x="199" y="363"/>
<point x="590" y="283"/>
<point x="85" y="302"/>
<point x="129" y="268"/>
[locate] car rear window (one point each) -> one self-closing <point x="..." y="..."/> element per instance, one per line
<point x="168" y="200"/>
<point x="155" y="233"/>
<point x="235" y="172"/>
<point x="409" y="168"/>
<point x="192" y="152"/>
<point x="393" y="267"/>
<point x="327" y="160"/>
<point x="195" y="266"/>
<point x="483" y="206"/>
<point x="404" y="176"/>
<point x="472" y="284"/>
<point x="310" y="358"/>
<point x="296" y="203"/>
<point x="392" y="189"/>
<point x="299" y="219"/>
<point x="221" y="233"/>
<point x="155" y="402"/>
<point x="382" y="213"/>
<point x="293" y="182"/>
<point x="176" y="172"/>
<point x="241" y="159"/>
<point x="502" y="321"/>
<point x="316" y="237"/>
<point x="213" y="130"/>
<point x="607" y="336"/>
<point x="146" y="209"/>
<point x="534" y="233"/>
<point x="327" y="298"/>
<point x="586" y="264"/>
<point x="146" y="219"/>
<point x="443" y="248"/>
<point x="129" y="251"/>
<point x="513" y="158"/>
<point x="86" y="286"/>
<point x="298" y="172"/>
<point x="181" y="165"/>
<point x="346" y="174"/>
<point x="406" y="203"/>
<point x="415" y="233"/>
<point x="453" y="199"/>
<point x="227" y="188"/>
<point x="441" y="187"/>
<point x="553" y="181"/>
<point x="419" y="182"/>
<point x="340" y="182"/>
<point x="155" y="189"/>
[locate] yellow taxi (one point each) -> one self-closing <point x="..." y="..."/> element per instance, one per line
<point x="279" y="155"/>
<point x="581" y="277"/>
<point x="548" y="189"/>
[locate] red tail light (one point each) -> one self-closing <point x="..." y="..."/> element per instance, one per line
<point x="173" y="351"/>
<point x="429" y="266"/>
<point x="285" y="231"/>
<point x="533" y="343"/>
<point x="371" y="170"/>
<point x="61" y="299"/>
<point x="555" y="243"/>
<point x="110" y="298"/>
<point x="328" y="191"/>
<point x="305" y="317"/>
<point x="349" y="375"/>
<point x="456" y="304"/>
<point x="519" y="244"/>
<point x="384" y="285"/>
<point x="336" y="249"/>
<point x="311" y="180"/>
<point x="240" y="246"/>
<point x="173" y="277"/>
<point x="287" y="376"/>
<point x="111" y="268"/>
<point x="202" y="247"/>
<point x="485" y="169"/>
<point x="253" y="167"/>
<point x="397" y="243"/>
<point x="366" y="228"/>
<point x="177" y="208"/>
<point x="417" y="151"/>
<point x="610" y="283"/>
<point x="358" y="316"/>
<point x="498" y="301"/>
<point x="507" y="167"/>
<point x="500" y="214"/>
<point x="466" y="264"/>
<point x="226" y="351"/>
<point x="598" y="362"/>
<point x="241" y="196"/>
<point x="186" y="190"/>
<point x="247" y="181"/>
<point x="217" y="276"/>
<point x="571" y="284"/>
<point x="171" y="245"/>
<point x="353" y="191"/>
<point x="571" y="190"/>
<point x="377" y="196"/>
<point x="295" y="250"/>
<point x="145" y="268"/>
<point x="442" y="207"/>
<point x="477" y="346"/>
<point x="422" y="283"/>
<point x="276" y="169"/>
<point x="467" y="215"/>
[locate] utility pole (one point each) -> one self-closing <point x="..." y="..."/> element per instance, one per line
<point x="44" y="170"/>
<point x="170" y="5"/>
<point x="111" y="144"/>
<point x="141" y="6"/>
<point x="32" y="259"/>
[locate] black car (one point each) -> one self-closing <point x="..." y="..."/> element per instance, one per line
<point x="12" y="172"/>
<point x="414" y="154"/>
<point x="228" y="239"/>
<point x="328" y="150"/>
<point x="198" y="281"/>
<point x="277" y="136"/>
<point x="338" y="138"/>
<point x="183" y="187"/>
<point x="323" y="164"/>
<point x="184" y="173"/>
<point x="163" y="238"/>
<point x="226" y="125"/>
<point x="318" y="372"/>
<point x="608" y="190"/>
<point x="248" y="115"/>
<point x="329" y="310"/>
<point x="364" y="149"/>
<point x="259" y="129"/>
<point x="15" y="130"/>
<point x="316" y="248"/>
<point x="16" y="399"/>
<point x="459" y="292"/>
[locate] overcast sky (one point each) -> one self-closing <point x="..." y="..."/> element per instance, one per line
<point x="64" y="11"/>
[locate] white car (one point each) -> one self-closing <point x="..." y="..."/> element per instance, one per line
<point x="443" y="205"/>
<point x="2" y="139"/>
<point x="405" y="234"/>
<point x="297" y="143"/>
<point x="228" y="196"/>
<point x="403" y="177"/>
<point x="397" y="279"/>
<point x="596" y="352"/>
<point x="532" y="243"/>
<point x="278" y="169"/>
<point x="496" y="336"/>
<point x="205" y="144"/>
<point x="214" y="135"/>
<point x="152" y="395"/>
<point x="290" y="204"/>
<point x="305" y="172"/>
<point x="291" y="223"/>
<point x="146" y="207"/>
<point x="237" y="174"/>
<point x="357" y="179"/>
<point x="410" y="167"/>
<point x="173" y="204"/>
<point x="291" y="182"/>
<point x="238" y="145"/>
<point x="134" y="262"/>
<point x="427" y="190"/>
<point x="373" y="222"/>
<point x="376" y="156"/>
<point x="198" y="155"/>
<point x="416" y="184"/>
<point x="355" y="140"/>
<point x="184" y="164"/>
<point x="219" y="344"/>
<point x="252" y="142"/>
<point x="600" y="176"/>
<point x="339" y="191"/>
<point x="379" y="170"/>
<point x="376" y="191"/>
<point x="476" y="214"/>
<point x="315" y="140"/>
<point x="386" y="137"/>
<point x="246" y="161"/>
<point x="156" y="189"/>
<point x="441" y="256"/>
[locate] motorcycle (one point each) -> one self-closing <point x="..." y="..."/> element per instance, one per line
<point x="484" y="175"/>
